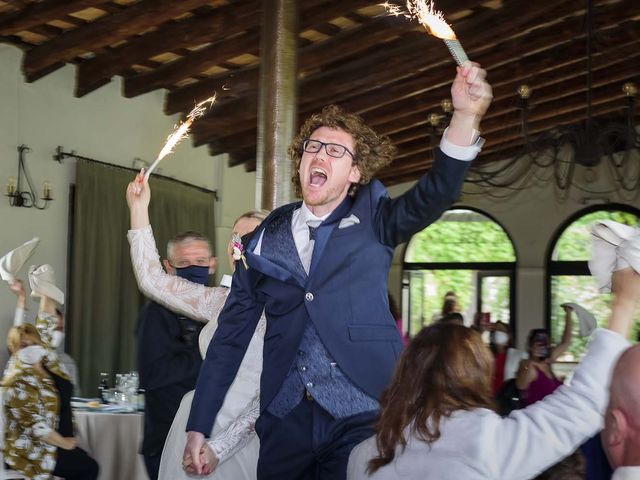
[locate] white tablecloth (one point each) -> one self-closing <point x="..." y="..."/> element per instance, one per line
<point x="113" y="439"/>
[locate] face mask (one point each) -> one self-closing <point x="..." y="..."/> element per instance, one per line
<point x="194" y="273"/>
<point x="32" y="354"/>
<point x="500" y="338"/>
<point x="57" y="338"/>
<point x="543" y="352"/>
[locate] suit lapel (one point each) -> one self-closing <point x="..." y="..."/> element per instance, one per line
<point x="270" y="269"/>
<point x="263" y="264"/>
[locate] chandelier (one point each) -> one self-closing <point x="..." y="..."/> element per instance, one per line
<point x="555" y="154"/>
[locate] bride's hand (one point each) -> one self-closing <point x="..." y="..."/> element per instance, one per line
<point x="209" y="460"/>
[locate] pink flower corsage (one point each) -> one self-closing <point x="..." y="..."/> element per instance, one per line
<point x="237" y="252"/>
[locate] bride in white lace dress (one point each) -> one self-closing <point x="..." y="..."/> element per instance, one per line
<point x="233" y="439"/>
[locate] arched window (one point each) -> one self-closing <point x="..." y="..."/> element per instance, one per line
<point x="568" y="276"/>
<point x="467" y="252"/>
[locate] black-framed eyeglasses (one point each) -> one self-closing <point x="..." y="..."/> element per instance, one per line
<point x="334" y="150"/>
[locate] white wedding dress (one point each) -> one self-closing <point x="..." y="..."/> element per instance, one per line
<point x="233" y="438"/>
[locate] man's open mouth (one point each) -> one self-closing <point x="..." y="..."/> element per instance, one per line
<point x="317" y="177"/>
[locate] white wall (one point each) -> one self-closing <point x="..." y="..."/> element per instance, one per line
<point x="531" y="217"/>
<point x="102" y="125"/>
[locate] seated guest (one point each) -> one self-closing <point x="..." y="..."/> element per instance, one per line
<point x="437" y="419"/>
<point x="39" y="433"/>
<point x="621" y="434"/>
<point x="535" y="379"/>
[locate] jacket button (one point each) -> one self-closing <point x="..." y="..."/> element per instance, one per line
<point x="309" y="297"/>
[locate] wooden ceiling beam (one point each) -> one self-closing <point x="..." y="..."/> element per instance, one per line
<point x="505" y="93"/>
<point x="607" y="103"/>
<point x="36" y="14"/>
<point x="549" y="111"/>
<point x="622" y="69"/>
<point x="192" y="64"/>
<point x="405" y="59"/>
<point x="314" y="56"/>
<point x="199" y="29"/>
<point x="105" y="31"/>
<point x="505" y="79"/>
<point x="336" y="47"/>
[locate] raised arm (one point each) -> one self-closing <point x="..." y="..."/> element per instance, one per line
<point x="17" y="287"/>
<point x="566" y="418"/>
<point x="567" y="335"/>
<point x="397" y="220"/>
<point x="190" y="299"/>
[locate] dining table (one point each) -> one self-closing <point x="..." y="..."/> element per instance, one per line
<point x="113" y="438"/>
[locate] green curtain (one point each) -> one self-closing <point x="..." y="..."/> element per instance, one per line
<point x="104" y="300"/>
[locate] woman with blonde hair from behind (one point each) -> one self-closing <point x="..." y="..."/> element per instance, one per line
<point x="437" y="419"/>
<point x="39" y="433"/>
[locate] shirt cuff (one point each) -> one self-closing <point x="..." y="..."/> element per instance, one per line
<point x="462" y="153"/>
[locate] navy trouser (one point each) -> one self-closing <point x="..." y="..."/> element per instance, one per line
<point x="309" y="444"/>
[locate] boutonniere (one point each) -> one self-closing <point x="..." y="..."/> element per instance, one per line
<point x="237" y="252"/>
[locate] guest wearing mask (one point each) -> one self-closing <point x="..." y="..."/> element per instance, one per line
<point x="168" y="355"/>
<point x="535" y="379"/>
<point x="506" y="357"/>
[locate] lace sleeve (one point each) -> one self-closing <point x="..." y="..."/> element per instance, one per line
<point x="230" y="440"/>
<point x="190" y="299"/>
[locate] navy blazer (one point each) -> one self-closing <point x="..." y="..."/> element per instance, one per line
<point x="345" y="294"/>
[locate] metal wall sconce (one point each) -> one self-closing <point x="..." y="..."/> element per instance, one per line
<point x="27" y="198"/>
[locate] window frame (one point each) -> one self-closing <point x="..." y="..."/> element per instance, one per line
<point x="484" y="269"/>
<point x="573" y="267"/>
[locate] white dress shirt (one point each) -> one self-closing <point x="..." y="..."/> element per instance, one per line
<point x="626" y="473"/>
<point x="302" y="219"/>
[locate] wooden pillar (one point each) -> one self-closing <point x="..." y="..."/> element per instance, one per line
<point x="277" y="102"/>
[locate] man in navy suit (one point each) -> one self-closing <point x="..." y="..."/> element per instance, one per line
<point x="319" y="270"/>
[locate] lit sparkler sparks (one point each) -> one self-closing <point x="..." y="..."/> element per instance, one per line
<point x="180" y="132"/>
<point x="425" y="13"/>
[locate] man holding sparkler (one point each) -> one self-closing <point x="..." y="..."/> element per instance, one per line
<point x="319" y="270"/>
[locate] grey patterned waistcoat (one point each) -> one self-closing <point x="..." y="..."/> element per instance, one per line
<point x="313" y="369"/>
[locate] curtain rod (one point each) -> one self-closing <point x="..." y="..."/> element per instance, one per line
<point x="61" y="155"/>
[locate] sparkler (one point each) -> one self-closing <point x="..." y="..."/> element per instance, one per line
<point x="180" y="132"/>
<point x="425" y="13"/>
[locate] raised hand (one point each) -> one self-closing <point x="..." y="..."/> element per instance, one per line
<point x="138" y="197"/>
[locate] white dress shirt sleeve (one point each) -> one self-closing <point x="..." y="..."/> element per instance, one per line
<point x="462" y="153"/>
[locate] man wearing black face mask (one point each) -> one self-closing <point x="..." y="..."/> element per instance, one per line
<point x="168" y="355"/>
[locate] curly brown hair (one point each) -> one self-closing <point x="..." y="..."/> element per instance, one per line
<point x="445" y="368"/>
<point x="372" y="151"/>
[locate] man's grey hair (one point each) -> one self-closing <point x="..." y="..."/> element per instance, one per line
<point x="183" y="238"/>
